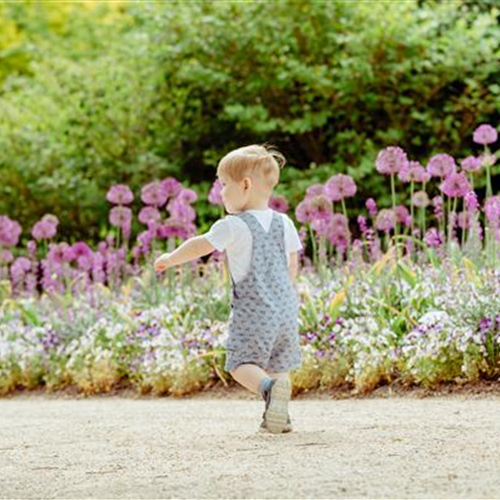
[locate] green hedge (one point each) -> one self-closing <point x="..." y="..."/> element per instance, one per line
<point x="167" y="88"/>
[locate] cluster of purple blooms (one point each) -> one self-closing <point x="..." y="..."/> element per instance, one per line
<point x="167" y="213"/>
<point x="54" y="269"/>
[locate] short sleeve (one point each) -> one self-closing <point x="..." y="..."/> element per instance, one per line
<point x="220" y="235"/>
<point x="292" y="239"/>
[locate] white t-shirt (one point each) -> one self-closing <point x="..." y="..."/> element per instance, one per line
<point x="233" y="235"/>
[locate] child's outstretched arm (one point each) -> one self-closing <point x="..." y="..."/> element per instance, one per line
<point x="189" y="250"/>
<point x="293" y="265"/>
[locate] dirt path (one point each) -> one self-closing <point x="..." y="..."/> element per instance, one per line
<point x="445" y="447"/>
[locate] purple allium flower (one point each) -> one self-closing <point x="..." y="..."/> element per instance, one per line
<point x="171" y="187"/>
<point x="320" y="207"/>
<point x="149" y="214"/>
<point x="43" y="230"/>
<point x="175" y="227"/>
<point x="441" y="165"/>
<point x="402" y="215"/>
<point x="391" y="160"/>
<point x="339" y="187"/>
<point x="304" y="211"/>
<point x="471" y="164"/>
<point x="214" y="196"/>
<point x="464" y="220"/>
<point x="386" y="220"/>
<point x="488" y="159"/>
<point x="314" y="190"/>
<point x="79" y="249"/>
<point x="10" y="231"/>
<point x="58" y="253"/>
<point x="413" y="172"/>
<point x="492" y="210"/>
<point x="420" y="199"/>
<point x="179" y="209"/>
<point x="279" y="203"/>
<point x="6" y="256"/>
<point x="455" y="185"/>
<point x="371" y="206"/>
<point x="120" y="194"/>
<point x="19" y="268"/>
<point x="437" y="202"/>
<point x="187" y="196"/>
<point x="154" y="194"/>
<point x="471" y="202"/>
<point x="120" y="216"/>
<point x="485" y="134"/>
<point x="433" y="238"/>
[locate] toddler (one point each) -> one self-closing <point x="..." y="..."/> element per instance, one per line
<point x="262" y="249"/>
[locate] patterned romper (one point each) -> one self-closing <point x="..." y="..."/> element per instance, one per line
<point x="263" y="326"/>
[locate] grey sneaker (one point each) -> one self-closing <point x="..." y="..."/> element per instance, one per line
<point x="276" y="418"/>
<point x="263" y="426"/>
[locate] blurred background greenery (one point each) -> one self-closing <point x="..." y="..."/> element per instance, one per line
<point x="98" y="93"/>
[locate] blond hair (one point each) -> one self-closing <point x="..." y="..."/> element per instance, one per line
<point x="254" y="161"/>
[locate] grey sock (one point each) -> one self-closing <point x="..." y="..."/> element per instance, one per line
<point x="265" y="385"/>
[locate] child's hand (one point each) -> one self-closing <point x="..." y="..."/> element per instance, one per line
<point x="161" y="263"/>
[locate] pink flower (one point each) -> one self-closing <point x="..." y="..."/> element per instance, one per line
<point x="304" y="212"/>
<point x="120" y="216"/>
<point x="214" y="196"/>
<point x="488" y="159"/>
<point x="402" y="215"/>
<point x="441" y="165"/>
<point x="279" y="203"/>
<point x="154" y="194"/>
<point x="437" y="202"/>
<point x="433" y="238"/>
<point x="386" y="220"/>
<point x="420" y="199"/>
<point x="178" y="209"/>
<point x="339" y="187"/>
<point x="149" y="214"/>
<point x="6" y="256"/>
<point x="492" y="210"/>
<point x="471" y="164"/>
<point x="120" y="194"/>
<point x="314" y="190"/>
<point x="471" y="201"/>
<point x="391" y="160"/>
<point x="10" y="231"/>
<point x="485" y="134"/>
<point x="455" y="185"/>
<point x="413" y="172"/>
<point x="171" y="187"/>
<point x="321" y="207"/>
<point x="43" y="230"/>
<point x="371" y="207"/>
<point x="187" y="196"/>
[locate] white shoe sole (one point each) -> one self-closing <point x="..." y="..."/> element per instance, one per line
<point x="277" y="413"/>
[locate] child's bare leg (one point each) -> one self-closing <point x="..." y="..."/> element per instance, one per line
<point x="254" y="378"/>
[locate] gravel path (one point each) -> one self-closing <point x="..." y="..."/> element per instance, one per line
<point x="445" y="447"/>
